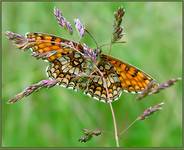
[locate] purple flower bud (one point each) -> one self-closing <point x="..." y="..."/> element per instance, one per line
<point x="33" y="88"/>
<point x="149" y="111"/>
<point x="19" y="40"/>
<point x="62" y="21"/>
<point x="69" y="27"/>
<point x="79" y="26"/>
<point x="154" y="87"/>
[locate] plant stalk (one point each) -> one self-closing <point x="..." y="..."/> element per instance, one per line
<point x="115" y="126"/>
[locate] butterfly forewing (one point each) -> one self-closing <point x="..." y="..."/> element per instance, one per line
<point x="132" y="79"/>
<point x="54" y="47"/>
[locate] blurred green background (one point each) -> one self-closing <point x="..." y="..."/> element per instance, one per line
<point x="55" y="117"/>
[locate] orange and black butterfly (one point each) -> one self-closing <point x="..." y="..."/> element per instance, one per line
<point x="81" y="68"/>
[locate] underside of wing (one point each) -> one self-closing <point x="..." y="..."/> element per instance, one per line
<point x="106" y="88"/>
<point x="132" y="79"/>
<point x="74" y="72"/>
<point x="68" y="70"/>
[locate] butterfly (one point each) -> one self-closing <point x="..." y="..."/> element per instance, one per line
<point x="81" y="68"/>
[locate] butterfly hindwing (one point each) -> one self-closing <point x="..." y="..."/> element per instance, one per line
<point x="74" y="72"/>
<point x="106" y="88"/>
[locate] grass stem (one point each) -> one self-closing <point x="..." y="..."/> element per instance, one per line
<point x="115" y="126"/>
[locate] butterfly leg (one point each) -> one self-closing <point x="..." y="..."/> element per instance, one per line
<point x="32" y="88"/>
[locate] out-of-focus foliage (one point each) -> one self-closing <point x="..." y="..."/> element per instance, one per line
<point x="55" y="117"/>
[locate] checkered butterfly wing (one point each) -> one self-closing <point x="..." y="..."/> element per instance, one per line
<point x="68" y="63"/>
<point x="50" y="47"/>
<point x="77" y="73"/>
<point x="106" y="88"/>
<point x="69" y="69"/>
<point x="132" y="79"/>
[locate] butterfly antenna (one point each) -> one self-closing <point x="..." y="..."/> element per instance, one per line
<point x="107" y="44"/>
<point x="92" y="37"/>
